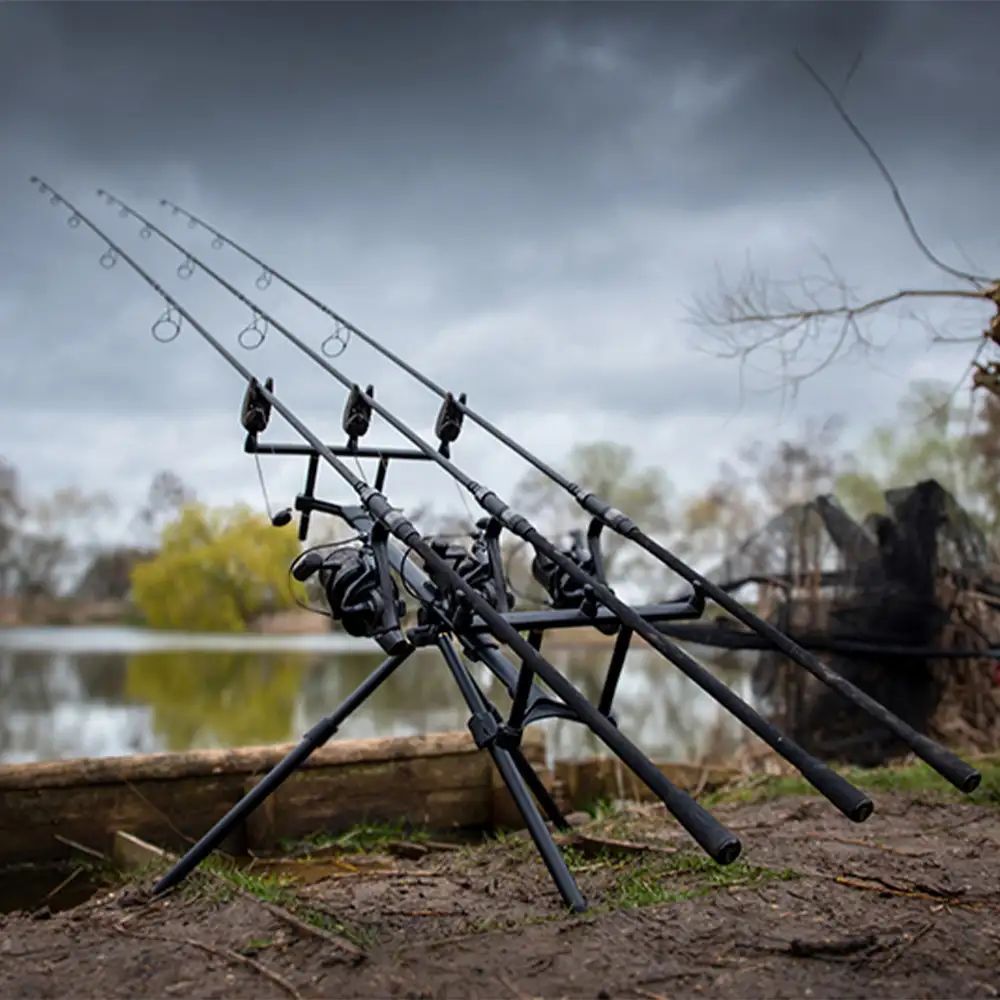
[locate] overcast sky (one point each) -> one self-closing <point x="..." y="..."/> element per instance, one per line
<point x="521" y="199"/>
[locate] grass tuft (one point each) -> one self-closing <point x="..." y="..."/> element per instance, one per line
<point x="910" y="778"/>
<point x="368" y="838"/>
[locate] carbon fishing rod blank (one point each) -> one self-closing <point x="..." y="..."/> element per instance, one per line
<point x="962" y="775"/>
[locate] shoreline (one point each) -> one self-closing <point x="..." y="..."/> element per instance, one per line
<point x="292" y="626"/>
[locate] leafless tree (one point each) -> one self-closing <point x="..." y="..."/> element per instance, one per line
<point x="814" y="319"/>
<point x="766" y="479"/>
<point x="108" y="575"/>
<point x="44" y="541"/>
<point x="167" y="494"/>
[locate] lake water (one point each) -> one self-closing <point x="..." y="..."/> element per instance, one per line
<point x="94" y="692"/>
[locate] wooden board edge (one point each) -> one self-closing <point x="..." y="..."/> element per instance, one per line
<point x="241" y="760"/>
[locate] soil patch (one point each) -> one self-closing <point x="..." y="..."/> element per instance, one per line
<point x="905" y="905"/>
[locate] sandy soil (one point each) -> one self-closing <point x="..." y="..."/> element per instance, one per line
<point x="907" y="905"/>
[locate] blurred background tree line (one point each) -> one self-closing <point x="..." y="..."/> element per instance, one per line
<point x="221" y="570"/>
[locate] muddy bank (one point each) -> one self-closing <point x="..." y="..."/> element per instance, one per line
<point x="906" y="905"/>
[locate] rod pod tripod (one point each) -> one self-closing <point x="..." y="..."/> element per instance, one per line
<point x="465" y="598"/>
<point x="363" y="596"/>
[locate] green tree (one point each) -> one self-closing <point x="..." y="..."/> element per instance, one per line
<point x="216" y="571"/>
<point x="227" y="699"/>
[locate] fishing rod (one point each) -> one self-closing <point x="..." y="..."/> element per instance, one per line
<point x="719" y="843"/>
<point x="854" y="803"/>
<point x="963" y="776"/>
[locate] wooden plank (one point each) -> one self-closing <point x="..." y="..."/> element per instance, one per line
<point x="448" y="787"/>
<point x="262" y="830"/>
<point x="437" y="792"/>
<point x="440" y="781"/>
<point x="174" y="813"/>
<point x="243" y="760"/>
<point x="585" y="782"/>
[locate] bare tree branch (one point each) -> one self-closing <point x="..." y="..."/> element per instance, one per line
<point x="760" y="315"/>
<point x="850" y="74"/>
<point x="884" y="171"/>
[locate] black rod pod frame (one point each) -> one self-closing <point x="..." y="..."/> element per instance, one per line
<point x="444" y="619"/>
<point x="955" y="770"/>
<point x="486" y="623"/>
<point x="440" y="603"/>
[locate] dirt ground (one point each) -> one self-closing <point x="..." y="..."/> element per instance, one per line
<point x="905" y="905"/>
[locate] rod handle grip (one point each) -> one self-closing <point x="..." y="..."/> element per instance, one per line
<point x="851" y="801"/>
<point x="950" y="766"/>
<point x="720" y="844"/>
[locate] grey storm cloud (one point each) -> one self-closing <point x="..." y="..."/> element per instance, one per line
<point x="392" y="100"/>
<point x="518" y="198"/>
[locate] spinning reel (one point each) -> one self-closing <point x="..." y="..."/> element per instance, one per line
<point x="356" y="581"/>
<point x="359" y="589"/>
<point x="480" y="565"/>
<point x="564" y="592"/>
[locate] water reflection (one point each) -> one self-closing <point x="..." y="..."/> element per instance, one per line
<point x="62" y="696"/>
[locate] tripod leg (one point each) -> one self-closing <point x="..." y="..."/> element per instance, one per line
<point x="321" y="733"/>
<point x="547" y="848"/>
<point x="504" y="762"/>
<point x="538" y="789"/>
<point x="614" y="671"/>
